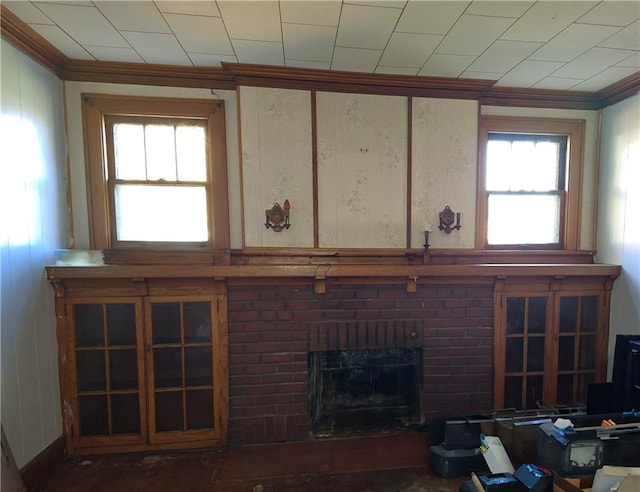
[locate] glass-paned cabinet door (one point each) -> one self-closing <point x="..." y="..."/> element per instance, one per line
<point x="578" y="318"/>
<point x="183" y="359"/>
<point x="107" y="378"/>
<point x="524" y="351"/>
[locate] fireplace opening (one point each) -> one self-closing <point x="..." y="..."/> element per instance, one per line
<point x="357" y="392"/>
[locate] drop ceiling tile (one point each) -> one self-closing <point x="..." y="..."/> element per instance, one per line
<point x="200" y="34"/>
<point x="592" y="62"/>
<point x="308" y="64"/>
<point x="188" y="7"/>
<point x="467" y="74"/>
<point x="106" y="53"/>
<point x="320" y="13"/>
<point x="528" y="72"/>
<point x="604" y="79"/>
<point x="573" y="41"/>
<point x="632" y="61"/>
<point x="259" y="52"/>
<point x="355" y="59"/>
<point x="86" y="25"/>
<point x="258" y="21"/>
<point x="366" y="27"/>
<point x="473" y="34"/>
<point x="502" y="56"/>
<point x="499" y="8"/>
<point x="207" y="60"/>
<point x="557" y="83"/>
<point x="157" y="48"/>
<point x="394" y="4"/>
<point x="27" y="12"/>
<point x="430" y="17"/>
<point x="307" y="42"/>
<point x="546" y="19"/>
<point x="446" y="65"/>
<point x="133" y="16"/>
<point x="627" y="39"/>
<point x="58" y="38"/>
<point x="409" y="50"/>
<point x="612" y="13"/>
<point x="397" y="70"/>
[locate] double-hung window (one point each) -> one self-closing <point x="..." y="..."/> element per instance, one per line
<point x="156" y="173"/>
<point x="529" y="183"/>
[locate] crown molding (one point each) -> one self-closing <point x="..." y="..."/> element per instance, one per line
<point x="232" y="75"/>
<point x="30" y="42"/>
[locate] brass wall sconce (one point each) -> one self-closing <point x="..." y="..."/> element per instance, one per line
<point x="427" y="230"/>
<point x="447" y="217"/>
<point x="277" y="217"/>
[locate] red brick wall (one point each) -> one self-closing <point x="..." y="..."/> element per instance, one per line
<point x="272" y="329"/>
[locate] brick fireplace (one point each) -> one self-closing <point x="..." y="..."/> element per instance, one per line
<point x="273" y="329"/>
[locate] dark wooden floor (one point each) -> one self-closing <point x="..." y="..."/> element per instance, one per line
<point x="377" y="464"/>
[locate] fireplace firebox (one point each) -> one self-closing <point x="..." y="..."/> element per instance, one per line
<point x="357" y="392"/>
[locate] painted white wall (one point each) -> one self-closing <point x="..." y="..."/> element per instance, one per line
<point x="589" y="169"/>
<point x="618" y="208"/>
<point x="73" y="93"/>
<point x="33" y="222"/>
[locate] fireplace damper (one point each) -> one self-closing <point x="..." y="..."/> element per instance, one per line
<point x="365" y="391"/>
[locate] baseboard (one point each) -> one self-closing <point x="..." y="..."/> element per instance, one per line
<point x="38" y="471"/>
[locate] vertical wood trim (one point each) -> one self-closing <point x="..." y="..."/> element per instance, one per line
<point x="409" y="166"/>
<point x="151" y="397"/>
<point x="69" y="194"/>
<point x="314" y="166"/>
<point x="573" y="215"/>
<point x="222" y="367"/>
<point x="602" y="352"/>
<point x="481" y="194"/>
<point x="142" y="364"/>
<point x="96" y="193"/>
<point x="240" y="164"/>
<point x="499" y="342"/>
<point x="220" y="229"/>
<point x="596" y="185"/>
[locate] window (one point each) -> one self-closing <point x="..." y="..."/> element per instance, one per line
<point x="156" y="173"/>
<point x="529" y="183"/>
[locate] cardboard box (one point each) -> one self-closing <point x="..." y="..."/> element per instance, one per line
<point x="572" y="484"/>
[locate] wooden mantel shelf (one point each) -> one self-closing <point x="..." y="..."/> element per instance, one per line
<point x="55" y="273"/>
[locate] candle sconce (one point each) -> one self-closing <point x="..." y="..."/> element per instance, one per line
<point x="447" y="218"/>
<point x="277" y="217"/>
<point x="426" y="237"/>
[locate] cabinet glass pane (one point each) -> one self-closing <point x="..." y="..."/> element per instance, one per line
<point x="513" y="392"/>
<point x="169" y="411"/>
<point x="94" y="416"/>
<point x="588" y="314"/>
<point x="534" y="391"/>
<point x="199" y="409"/>
<point x="515" y="315"/>
<point x="535" y="354"/>
<point x="514" y="355"/>
<point x="121" y="324"/>
<point x="565" y="389"/>
<point x="566" y="353"/>
<point x="165" y="322"/>
<point x="537" y="314"/>
<point x="198" y="371"/>
<point x="91" y="370"/>
<point x="587" y="353"/>
<point x="123" y="369"/>
<point x="197" y="322"/>
<point x="125" y="414"/>
<point x="568" y="314"/>
<point x="167" y="367"/>
<point x="89" y="325"/>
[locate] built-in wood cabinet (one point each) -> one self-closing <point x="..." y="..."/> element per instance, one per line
<point x="142" y="368"/>
<point x="550" y="340"/>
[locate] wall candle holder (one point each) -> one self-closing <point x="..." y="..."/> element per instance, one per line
<point x="427" y="230"/>
<point x="277" y="217"/>
<point x="447" y="218"/>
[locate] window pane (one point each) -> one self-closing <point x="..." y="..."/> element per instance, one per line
<point x="129" y="151"/>
<point x="161" y="152"/>
<point x="161" y="213"/>
<point x="191" y="153"/>
<point x="523" y="219"/>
